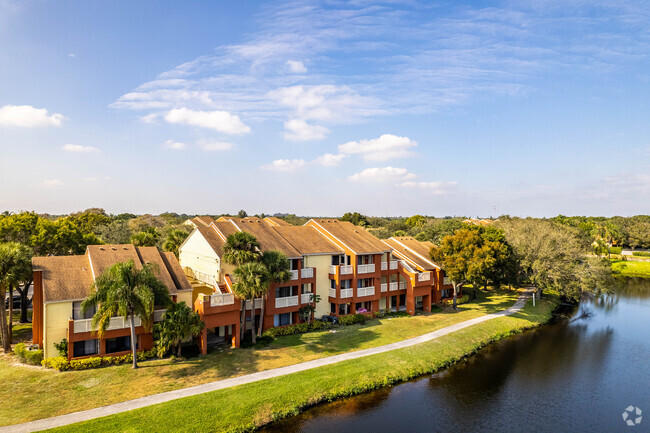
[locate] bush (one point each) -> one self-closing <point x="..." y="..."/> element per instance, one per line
<point x="26" y="356"/>
<point x="298" y="328"/>
<point x="462" y="300"/>
<point x="62" y="347"/>
<point x="616" y="250"/>
<point x="61" y="363"/>
<point x="352" y="319"/>
<point x="641" y="253"/>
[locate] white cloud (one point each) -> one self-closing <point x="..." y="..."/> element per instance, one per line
<point x="150" y="118"/>
<point x="384" y="174"/>
<point x="299" y="130"/>
<point x="330" y="160"/>
<point x="211" y="145"/>
<point x="51" y="183"/>
<point x="78" y="148"/>
<point x="296" y="66"/>
<point x="436" y="187"/>
<point x="72" y="55"/>
<point x="175" y="145"/>
<point x="287" y="165"/>
<point x="26" y="116"/>
<point x="221" y="121"/>
<point x="386" y="147"/>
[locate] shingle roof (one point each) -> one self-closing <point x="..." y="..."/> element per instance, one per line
<point x="275" y="221"/>
<point x="64" y="277"/>
<point x="176" y="272"/>
<point x="266" y="235"/>
<point x="203" y="220"/>
<point x="414" y="251"/>
<point x="356" y="238"/>
<point x="308" y="240"/>
<point x="103" y="256"/>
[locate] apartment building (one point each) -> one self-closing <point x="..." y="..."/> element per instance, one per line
<point x="61" y="283"/>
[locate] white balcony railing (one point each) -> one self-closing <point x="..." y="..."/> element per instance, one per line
<point x="83" y="325"/>
<point x="305" y="298"/>
<point x="294" y="274"/>
<point x="258" y="304"/>
<point x="307" y="273"/>
<point x="333" y="269"/>
<point x="288" y="301"/>
<point x="205" y="278"/>
<point x="158" y="315"/>
<point x="424" y="276"/>
<point x="219" y="299"/>
<point x="393" y="264"/>
<point x="384" y="266"/>
<point x="446" y="281"/>
<point x="365" y="291"/>
<point x="346" y="293"/>
<point x="346" y="270"/>
<point x="333" y="293"/>
<point x="402" y="285"/>
<point x="384" y="287"/>
<point x="394" y="286"/>
<point x="366" y="269"/>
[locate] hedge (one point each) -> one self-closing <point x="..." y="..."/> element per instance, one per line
<point x="32" y="357"/>
<point x="641" y="253"/>
<point x="462" y="300"/>
<point x="616" y="250"/>
<point x="62" y="364"/>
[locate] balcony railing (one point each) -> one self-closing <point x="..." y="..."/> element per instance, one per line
<point x="446" y="281"/>
<point x="365" y="291"/>
<point x="393" y="264"/>
<point x="288" y="301"/>
<point x="384" y="266"/>
<point x="346" y="293"/>
<point x="83" y="325"/>
<point x="158" y="315"/>
<point x="294" y="274"/>
<point x="332" y="293"/>
<point x="346" y="270"/>
<point x="258" y="303"/>
<point x="384" y="287"/>
<point x="333" y="269"/>
<point x="307" y="273"/>
<point x="305" y="298"/>
<point x="366" y="269"/>
<point x="424" y="276"/>
<point x="394" y="286"/>
<point x="402" y="285"/>
<point x="219" y="299"/>
<point x="205" y="278"/>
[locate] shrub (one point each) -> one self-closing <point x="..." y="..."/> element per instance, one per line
<point x="56" y="362"/>
<point x="641" y="253"/>
<point x="62" y="347"/>
<point x="61" y="363"/>
<point x="616" y="250"/>
<point x="462" y="300"/>
<point x="352" y="319"/>
<point x="26" y="356"/>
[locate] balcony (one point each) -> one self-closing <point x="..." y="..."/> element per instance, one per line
<point x="365" y="291"/>
<point x="346" y="293"/>
<point x="332" y="293"/>
<point x="258" y="304"/>
<point x="393" y="265"/>
<point x="204" y="278"/>
<point x="424" y="276"/>
<point x="83" y="325"/>
<point x="366" y="269"/>
<point x="346" y="270"/>
<point x="288" y="301"/>
<point x="219" y="299"/>
<point x="305" y="298"/>
<point x="384" y="266"/>
<point x="333" y="269"/>
<point x="158" y="315"/>
<point x="384" y="287"/>
<point x="402" y="285"/>
<point x="394" y="286"/>
<point x="307" y="273"/>
<point x="446" y="281"/>
<point x="294" y="274"/>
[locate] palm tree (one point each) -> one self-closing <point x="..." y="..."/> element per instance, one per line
<point x="15" y="266"/>
<point x="240" y="248"/>
<point x="174" y="239"/>
<point x="179" y="324"/>
<point x="252" y="282"/>
<point x="126" y="291"/>
<point x="277" y="266"/>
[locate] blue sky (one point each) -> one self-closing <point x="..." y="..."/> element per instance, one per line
<point x="316" y="108"/>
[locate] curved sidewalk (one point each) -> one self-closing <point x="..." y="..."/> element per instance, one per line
<point x="137" y="403"/>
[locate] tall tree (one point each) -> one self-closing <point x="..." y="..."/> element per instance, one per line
<point x="174" y="239"/>
<point x="15" y="264"/>
<point x="179" y="324"/>
<point x="278" y="268"/>
<point x="126" y="291"/>
<point x="252" y="281"/>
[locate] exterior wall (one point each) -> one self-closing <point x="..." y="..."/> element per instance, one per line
<point x="197" y="254"/>
<point x="185" y="296"/>
<point x="321" y="287"/>
<point x="55" y="316"/>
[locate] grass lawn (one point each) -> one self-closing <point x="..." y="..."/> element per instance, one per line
<point x="37" y="393"/>
<point x="630" y="268"/>
<point x="248" y="406"/>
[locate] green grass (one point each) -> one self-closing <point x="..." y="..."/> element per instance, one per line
<point x="246" y="407"/>
<point x="93" y="388"/>
<point x="630" y="268"/>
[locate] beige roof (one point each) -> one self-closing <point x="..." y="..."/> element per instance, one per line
<point x="356" y="238"/>
<point x="266" y="235"/>
<point x="68" y="278"/>
<point x="413" y="251"/>
<point x="308" y="240"/>
<point x="203" y="220"/>
<point x="275" y="221"/>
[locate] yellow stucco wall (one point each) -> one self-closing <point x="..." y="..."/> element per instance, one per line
<point x="197" y="254"/>
<point x="186" y="297"/>
<point x="55" y="325"/>
<point x="322" y="265"/>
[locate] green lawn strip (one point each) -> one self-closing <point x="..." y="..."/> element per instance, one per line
<point x="93" y="388"/>
<point x="245" y="407"/>
<point x="629" y="268"/>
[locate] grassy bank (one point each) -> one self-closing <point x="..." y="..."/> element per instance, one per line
<point x="93" y="388"/>
<point x="628" y="268"/>
<point x="246" y="407"/>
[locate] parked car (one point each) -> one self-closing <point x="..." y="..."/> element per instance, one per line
<point x="331" y="319"/>
<point x="16" y="301"/>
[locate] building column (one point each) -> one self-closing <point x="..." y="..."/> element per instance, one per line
<point x="203" y="341"/>
<point x="426" y="303"/>
<point x="235" y="335"/>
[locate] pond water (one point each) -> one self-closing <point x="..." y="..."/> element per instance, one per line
<point x="577" y="374"/>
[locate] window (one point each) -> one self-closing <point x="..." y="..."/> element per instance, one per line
<point x="332" y="308"/>
<point x="306" y="288"/>
<point x="119" y="344"/>
<point x="283" y="292"/>
<point x="336" y="260"/>
<point x="85" y="348"/>
<point x="345" y="284"/>
<point x="282" y="319"/>
<point x="344" y="309"/>
<point x="77" y="313"/>
<point x="332" y="284"/>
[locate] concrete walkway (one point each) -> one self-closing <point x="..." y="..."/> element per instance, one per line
<point x="137" y="403"/>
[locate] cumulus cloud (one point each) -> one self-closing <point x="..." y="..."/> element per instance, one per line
<point x="78" y="148"/>
<point x="51" y="183"/>
<point x="286" y="165"/>
<point x="299" y="130"/>
<point x="221" y="121"/>
<point x="296" y="66"/>
<point x="384" y="148"/>
<point x="26" y="116"/>
<point x="383" y="174"/>
<point x="175" y="145"/>
<point x="330" y="160"/>
<point x="212" y="145"/>
<point x="436" y="187"/>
